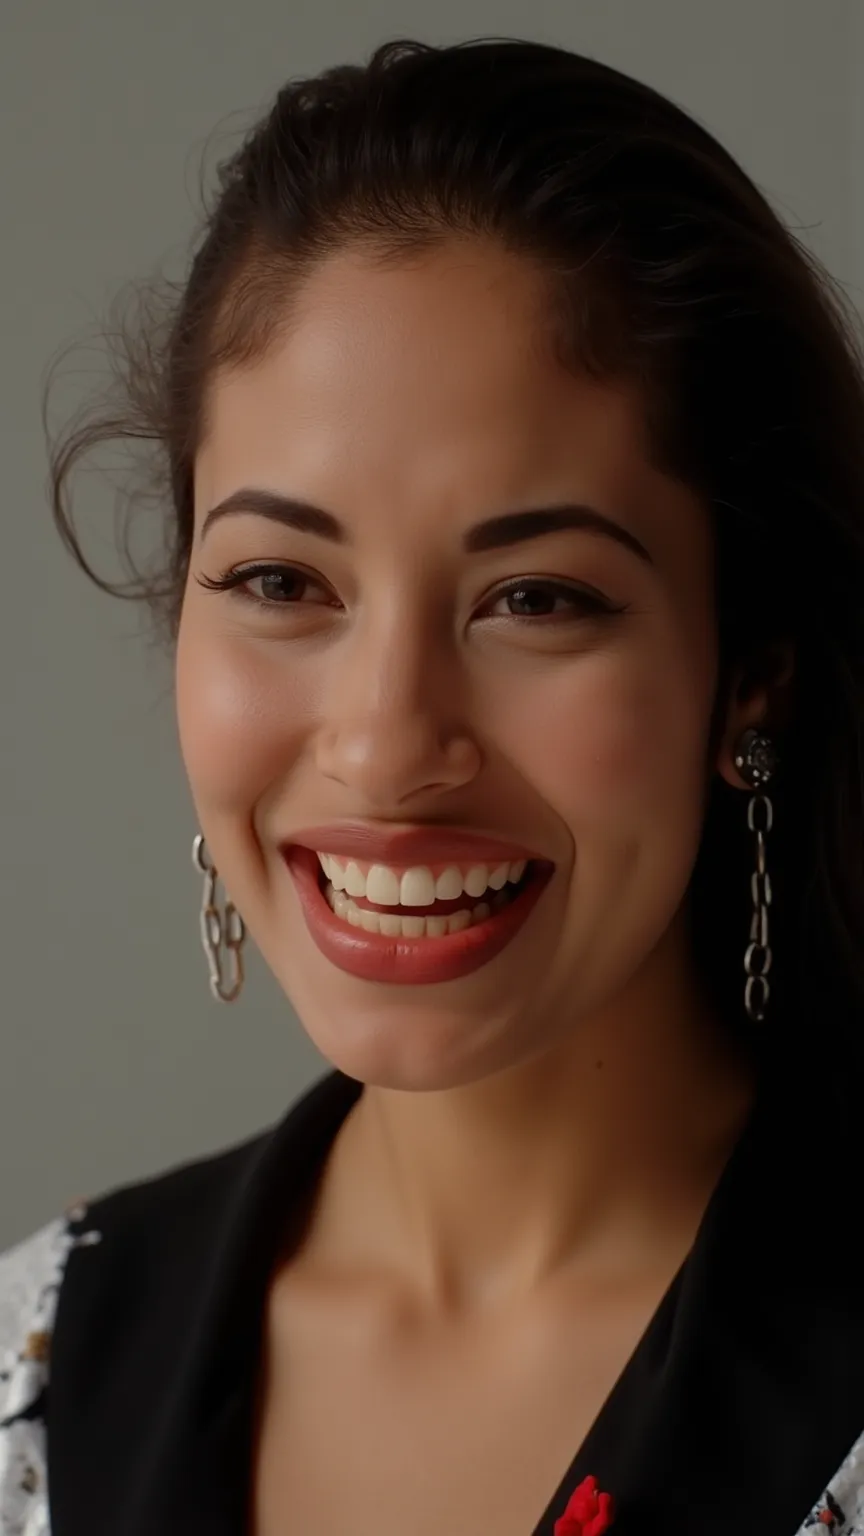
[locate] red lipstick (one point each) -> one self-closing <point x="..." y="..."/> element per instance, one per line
<point x="401" y="960"/>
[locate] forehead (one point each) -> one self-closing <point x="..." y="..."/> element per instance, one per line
<point x="421" y="378"/>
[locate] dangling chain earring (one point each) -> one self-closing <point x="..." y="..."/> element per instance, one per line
<point x="219" y="930"/>
<point x="756" y="761"/>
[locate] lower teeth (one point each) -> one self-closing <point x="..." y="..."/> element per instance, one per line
<point x="393" y="926"/>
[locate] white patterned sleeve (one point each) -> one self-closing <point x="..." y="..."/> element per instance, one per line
<point x="30" y="1278"/>
<point x="840" y="1511"/>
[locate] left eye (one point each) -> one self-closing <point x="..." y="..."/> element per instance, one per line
<point x="546" y="599"/>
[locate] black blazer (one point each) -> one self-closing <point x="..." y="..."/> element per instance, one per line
<point x="736" y="1412"/>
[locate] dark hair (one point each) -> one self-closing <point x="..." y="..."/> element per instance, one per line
<point x="666" y="266"/>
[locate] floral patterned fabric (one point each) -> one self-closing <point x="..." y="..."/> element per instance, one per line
<point x="841" y="1511"/>
<point x="30" y="1278"/>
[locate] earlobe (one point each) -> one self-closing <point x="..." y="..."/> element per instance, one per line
<point x="746" y="714"/>
<point x="747" y="757"/>
<point x="759" y="693"/>
<point x="755" y="758"/>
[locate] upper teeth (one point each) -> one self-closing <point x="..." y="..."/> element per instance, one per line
<point x="418" y="886"/>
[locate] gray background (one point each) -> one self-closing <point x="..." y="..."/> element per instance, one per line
<point x="115" y="1061"/>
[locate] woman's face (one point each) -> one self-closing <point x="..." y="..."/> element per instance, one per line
<point x="484" y="636"/>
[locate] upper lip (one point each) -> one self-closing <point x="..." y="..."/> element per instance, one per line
<point x="407" y="845"/>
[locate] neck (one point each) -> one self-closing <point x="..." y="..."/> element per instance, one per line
<point x="602" y="1150"/>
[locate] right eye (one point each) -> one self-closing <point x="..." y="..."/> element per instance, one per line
<point x="281" y="586"/>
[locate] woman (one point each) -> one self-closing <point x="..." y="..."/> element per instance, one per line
<point x="515" y="454"/>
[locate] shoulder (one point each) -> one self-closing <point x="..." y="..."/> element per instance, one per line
<point x="33" y="1272"/>
<point x="130" y="1298"/>
<point x="29" y="1275"/>
<point x="33" y="1276"/>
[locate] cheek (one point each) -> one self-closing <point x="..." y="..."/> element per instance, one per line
<point x="617" y="743"/>
<point x="241" y="718"/>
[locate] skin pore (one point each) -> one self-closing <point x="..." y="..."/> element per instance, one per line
<point x="537" y="1142"/>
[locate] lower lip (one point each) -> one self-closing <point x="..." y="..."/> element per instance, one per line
<point x="406" y="962"/>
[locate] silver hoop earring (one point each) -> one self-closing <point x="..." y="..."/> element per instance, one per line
<point x="756" y="761"/>
<point x="222" y="933"/>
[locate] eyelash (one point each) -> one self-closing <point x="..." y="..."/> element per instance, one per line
<point x="591" y="602"/>
<point x="234" y="580"/>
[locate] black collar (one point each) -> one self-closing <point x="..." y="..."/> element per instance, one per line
<point x="743" y="1398"/>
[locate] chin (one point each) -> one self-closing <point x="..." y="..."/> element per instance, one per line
<point x="414" y="1049"/>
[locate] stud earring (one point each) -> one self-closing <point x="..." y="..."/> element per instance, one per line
<point x="221" y="931"/>
<point x="756" y="760"/>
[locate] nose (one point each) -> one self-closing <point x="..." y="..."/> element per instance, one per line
<point x="391" y="730"/>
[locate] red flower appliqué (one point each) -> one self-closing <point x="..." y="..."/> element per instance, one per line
<point x="589" y="1512"/>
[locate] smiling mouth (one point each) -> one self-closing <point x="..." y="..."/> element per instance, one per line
<point x="413" y="925"/>
<point x="420" y="902"/>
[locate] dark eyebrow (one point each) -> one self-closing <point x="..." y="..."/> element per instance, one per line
<point x="517" y="527"/>
<point x="279" y="509"/>
<point x="494" y="533"/>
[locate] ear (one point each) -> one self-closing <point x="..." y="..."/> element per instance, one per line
<point x="760" y="694"/>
